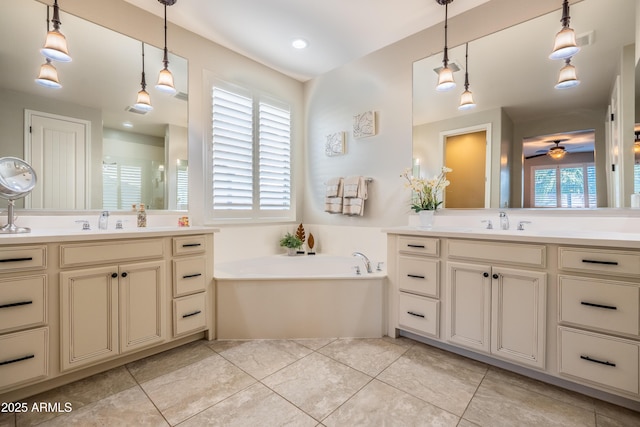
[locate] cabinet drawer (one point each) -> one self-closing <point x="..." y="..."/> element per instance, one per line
<point x="19" y="258"/>
<point x="603" y="360"/>
<point x="23" y="356"/>
<point x="419" y="245"/>
<point x="23" y="302"/>
<point x="419" y="275"/>
<point x="419" y="314"/>
<point x="599" y="304"/>
<point x="509" y="253"/>
<point x="601" y="261"/>
<point x="189" y="276"/>
<point x="186" y="245"/>
<point x="78" y="254"/>
<point x="189" y="314"/>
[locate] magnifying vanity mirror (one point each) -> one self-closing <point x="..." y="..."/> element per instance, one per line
<point x="17" y="179"/>
<point x="512" y="80"/>
<point x="89" y="147"/>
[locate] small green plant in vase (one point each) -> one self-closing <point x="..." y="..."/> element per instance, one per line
<point x="291" y="242"/>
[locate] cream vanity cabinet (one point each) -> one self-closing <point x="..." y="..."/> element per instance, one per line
<point x="599" y="317"/>
<point x="24" y="331"/>
<point x="189" y="284"/>
<point x="496" y="299"/>
<point x="114" y="308"/>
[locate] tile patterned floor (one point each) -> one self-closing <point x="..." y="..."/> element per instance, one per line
<point x="319" y="382"/>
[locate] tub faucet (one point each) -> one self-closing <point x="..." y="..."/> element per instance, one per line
<point x="367" y="263"/>
<point x="504" y="221"/>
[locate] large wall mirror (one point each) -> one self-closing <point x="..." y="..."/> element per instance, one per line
<point x="89" y="148"/>
<point x="512" y="80"/>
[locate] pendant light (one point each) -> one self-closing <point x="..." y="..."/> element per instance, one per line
<point x="565" y="45"/>
<point x="165" y="79"/>
<point x="143" y="102"/>
<point x="466" y="99"/>
<point x="48" y="75"/>
<point x="568" y="77"/>
<point x="55" y="45"/>
<point x="445" y="76"/>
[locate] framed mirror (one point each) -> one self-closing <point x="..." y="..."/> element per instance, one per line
<point x="512" y="80"/>
<point x="89" y="147"/>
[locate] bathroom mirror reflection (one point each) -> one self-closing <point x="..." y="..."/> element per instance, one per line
<point x="88" y="147"/>
<point x="512" y="81"/>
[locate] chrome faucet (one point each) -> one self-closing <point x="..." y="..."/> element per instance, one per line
<point x="367" y="263"/>
<point x="504" y="221"/>
<point x="103" y="220"/>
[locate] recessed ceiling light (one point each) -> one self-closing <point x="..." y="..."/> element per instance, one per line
<point x="299" y="43"/>
<point x="127" y="124"/>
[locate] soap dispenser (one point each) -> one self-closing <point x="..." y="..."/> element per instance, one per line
<point x="142" y="216"/>
<point x="103" y="221"/>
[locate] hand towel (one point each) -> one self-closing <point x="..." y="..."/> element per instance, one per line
<point x="333" y="205"/>
<point x="351" y="184"/>
<point x="354" y="206"/>
<point x="334" y="187"/>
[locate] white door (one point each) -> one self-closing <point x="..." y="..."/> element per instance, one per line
<point x="57" y="147"/>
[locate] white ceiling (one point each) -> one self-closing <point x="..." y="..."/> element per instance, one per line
<point x="338" y="31"/>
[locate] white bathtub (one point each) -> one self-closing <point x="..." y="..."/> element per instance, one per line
<point x="306" y="296"/>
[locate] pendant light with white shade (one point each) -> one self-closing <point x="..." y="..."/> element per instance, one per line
<point x="445" y="75"/>
<point x="55" y="45"/>
<point x="143" y="101"/>
<point x="568" y="77"/>
<point x="565" y="45"/>
<point x="48" y="75"/>
<point x="165" y="78"/>
<point x="466" y="99"/>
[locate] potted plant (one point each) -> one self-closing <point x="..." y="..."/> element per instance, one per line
<point x="291" y="242"/>
<point x="424" y="200"/>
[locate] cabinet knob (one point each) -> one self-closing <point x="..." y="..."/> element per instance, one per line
<point x="485" y="274"/>
<point x="124" y="274"/>
<point x="495" y="276"/>
<point x="114" y="275"/>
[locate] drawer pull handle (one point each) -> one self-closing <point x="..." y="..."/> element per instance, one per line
<point x="415" y="276"/>
<point x="16" y="304"/>
<point x="595" y="261"/>
<point x="591" y="304"/>
<point x="189" y="276"/>
<point x="415" y="314"/>
<point x="17" y="259"/>
<point x="409" y="245"/>
<point x="184" y="316"/>
<point x="191" y="245"/>
<point x="19" y="359"/>
<point x="602" y="362"/>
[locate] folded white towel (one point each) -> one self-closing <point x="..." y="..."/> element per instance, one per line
<point x="353" y="206"/>
<point x="333" y="205"/>
<point x="351" y="184"/>
<point x="334" y="187"/>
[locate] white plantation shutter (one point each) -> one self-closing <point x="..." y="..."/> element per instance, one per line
<point x="251" y="155"/>
<point x="232" y="150"/>
<point x="275" y="157"/>
<point x="122" y="185"/>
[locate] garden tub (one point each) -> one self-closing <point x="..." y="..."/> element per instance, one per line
<point x="305" y="296"/>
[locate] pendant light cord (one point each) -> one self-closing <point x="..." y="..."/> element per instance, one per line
<point x="445" y="59"/>
<point x="143" y="83"/>
<point x="466" y="67"/>
<point x="56" y="16"/>
<point x="565" y="14"/>
<point x="166" y="55"/>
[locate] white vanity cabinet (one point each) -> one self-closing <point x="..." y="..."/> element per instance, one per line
<point x="24" y="331"/>
<point x="75" y="304"/>
<point x="599" y="317"/>
<point x="497" y="307"/>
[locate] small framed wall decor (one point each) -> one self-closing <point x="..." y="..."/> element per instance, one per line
<point x="364" y="124"/>
<point x="335" y="144"/>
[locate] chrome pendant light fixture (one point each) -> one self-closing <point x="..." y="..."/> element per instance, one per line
<point x="165" y="78"/>
<point x="445" y="75"/>
<point x="55" y="45"/>
<point x="466" y="99"/>
<point x="143" y="102"/>
<point x="565" y="45"/>
<point x="568" y="77"/>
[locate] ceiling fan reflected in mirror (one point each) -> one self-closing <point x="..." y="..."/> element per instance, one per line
<point x="557" y="152"/>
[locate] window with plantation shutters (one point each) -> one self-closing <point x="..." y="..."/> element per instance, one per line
<point x="564" y="186"/>
<point x="122" y="185"/>
<point x="250" y="155"/>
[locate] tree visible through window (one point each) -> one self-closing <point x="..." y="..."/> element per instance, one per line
<point x="565" y="186"/>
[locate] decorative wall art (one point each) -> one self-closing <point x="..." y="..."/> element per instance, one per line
<point x="335" y="144"/>
<point x="364" y="124"/>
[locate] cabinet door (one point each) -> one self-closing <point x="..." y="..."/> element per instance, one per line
<point x="468" y="305"/>
<point x="518" y="319"/>
<point x="142" y="304"/>
<point x="89" y="316"/>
